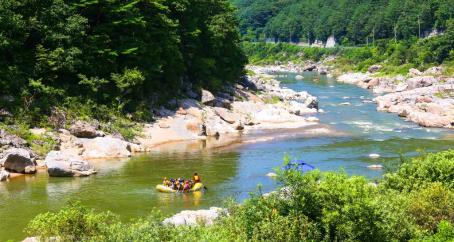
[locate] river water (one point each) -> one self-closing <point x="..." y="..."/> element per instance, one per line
<point x="126" y="187"/>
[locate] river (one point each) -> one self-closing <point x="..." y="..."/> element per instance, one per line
<point x="126" y="187"/>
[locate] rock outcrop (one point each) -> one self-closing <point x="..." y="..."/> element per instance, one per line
<point x="60" y="164"/>
<point x="104" y="147"/>
<point x="426" y="98"/>
<point x="195" y="217"/>
<point x="10" y="140"/>
<point x="425" y="106"/>
<point x="82" y="129"/>
<point x="18" y="160"/>
<point x="207" y="98"/>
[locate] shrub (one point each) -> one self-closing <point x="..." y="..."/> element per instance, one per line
<point x="420" y="171"/>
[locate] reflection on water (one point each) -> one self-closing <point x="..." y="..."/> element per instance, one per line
<point x="127" y="187"/>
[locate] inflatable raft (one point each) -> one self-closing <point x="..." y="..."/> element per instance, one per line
<point x="161" y="188"/>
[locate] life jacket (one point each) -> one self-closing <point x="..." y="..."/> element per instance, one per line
<point x="196" y="179"/>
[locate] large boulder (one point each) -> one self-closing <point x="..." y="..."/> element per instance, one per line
<point x="420" y="81"/>
<point x="414" y="72"/>
<point x="309" y="66"/>
<point x="62" y="164"/>
<point x="19" y="160"/>
<point x="4" y="175"/>
<point x="434" y="71"/>
<point x="195" y="217"/>
<point x="207" y="97"/>
<point x="105" y="147"/>
<point x="226" y="115"/>
<point x="84" y="129"/>
<point x="374" y="68"/>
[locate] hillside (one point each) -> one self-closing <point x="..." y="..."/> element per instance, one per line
<point x="351" y="22"/>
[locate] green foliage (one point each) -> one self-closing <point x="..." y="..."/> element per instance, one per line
<point x="357" y="22"/>
<point x="444" y="233"/>
<point x="422" y="171"/>
<point x="117" y="55"/>
<point x="73" y="223"/>
<point x="41" y="144"/>
<point x="396" y="58"/>
<point x="272" y="100"/>
<point x="315" y="206"/>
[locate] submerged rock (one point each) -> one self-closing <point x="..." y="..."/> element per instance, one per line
<point x="375" y="167"/>
<point x="60" y="164"/>
<point x="374" y="156"/>
<point x="271" y="174"/>
<point x="19" y="160"/>
<point x="195" y="217"/>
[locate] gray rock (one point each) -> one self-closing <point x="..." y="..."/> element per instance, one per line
<point x="223" y="103"/>
<point x="4" y="175"/>
<point x="7" y="139"/>
<point x="226" y="115"/>
<point x="420" y="81"/>
<point x="309" y="67"/>
<point x="105" y="147"/>
<point x="19" y="160"/>
<point x="84" y="129"/>
<point x="434" y="71"/>
<point x="414" y="72"/>
<point x="60" y="164"/>
<point x="207" y="98"/>
<point x="374" y="68"/>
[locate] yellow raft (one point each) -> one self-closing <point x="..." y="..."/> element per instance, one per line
<point x="161" y="188"/>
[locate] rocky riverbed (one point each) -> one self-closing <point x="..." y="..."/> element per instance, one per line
<point x="426" y="98"/>
<point x="256" y="103"/>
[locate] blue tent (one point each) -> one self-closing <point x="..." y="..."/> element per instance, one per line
<point x="299" y="166"/>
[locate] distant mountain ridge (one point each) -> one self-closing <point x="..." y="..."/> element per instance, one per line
<point x="352" y="22"/>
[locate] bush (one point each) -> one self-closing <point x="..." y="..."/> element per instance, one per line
<point x="316" y="206"/>
<point x="421" y="171"/>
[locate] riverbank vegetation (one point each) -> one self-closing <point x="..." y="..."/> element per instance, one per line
<point x="111" y="61"/>
<point x="415" y="203"/>
<point x="396" y="57"/>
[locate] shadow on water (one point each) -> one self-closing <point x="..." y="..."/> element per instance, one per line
<point x="127" y="187"/>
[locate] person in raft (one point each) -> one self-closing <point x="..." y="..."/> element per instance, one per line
<point x="196" y="178"/>
<point x="166" y="182"/>
<point x="186" y="186"/>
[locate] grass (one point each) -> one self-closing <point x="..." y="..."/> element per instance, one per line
<point x="272" y="100"/>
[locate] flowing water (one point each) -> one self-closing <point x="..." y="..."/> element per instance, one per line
<point x="126" y="187"/>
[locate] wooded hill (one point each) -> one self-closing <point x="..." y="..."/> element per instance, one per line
<point x="351" y="22"/>
<point x="112" y="54"/>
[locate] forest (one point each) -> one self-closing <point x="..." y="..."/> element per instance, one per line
<point x="351" y="22"/>
<point x="101" y="57"/>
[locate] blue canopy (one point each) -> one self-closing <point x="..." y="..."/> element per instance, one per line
<point x="299" y="166"/>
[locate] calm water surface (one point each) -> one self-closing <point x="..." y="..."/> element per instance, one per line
<point x="127" y="187"/>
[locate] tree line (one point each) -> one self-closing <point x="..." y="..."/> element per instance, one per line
<point x="122" y="54"/>
<point x="351" y="22"/>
